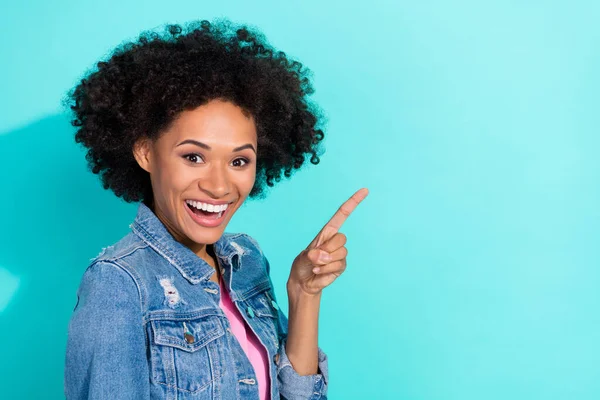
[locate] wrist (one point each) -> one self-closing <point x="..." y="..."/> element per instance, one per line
<point x="297" y="295"/>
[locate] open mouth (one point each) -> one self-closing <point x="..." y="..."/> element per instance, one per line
<point x="207" y="211"/>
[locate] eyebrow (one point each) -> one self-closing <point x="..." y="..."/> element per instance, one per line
<point x="207" y="147"/>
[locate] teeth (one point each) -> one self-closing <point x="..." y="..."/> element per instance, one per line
<point x="208" y="207"/>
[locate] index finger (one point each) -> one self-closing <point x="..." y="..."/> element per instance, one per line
<point x="340" y="216"/>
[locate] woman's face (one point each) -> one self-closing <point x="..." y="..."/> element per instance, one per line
<point x="202" y="169"/>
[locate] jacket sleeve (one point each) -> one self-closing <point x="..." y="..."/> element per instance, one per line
<point x="106" y="345"/>
<point x="293" y="386"/>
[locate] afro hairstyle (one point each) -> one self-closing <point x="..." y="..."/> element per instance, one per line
<point x="145" y="84"/>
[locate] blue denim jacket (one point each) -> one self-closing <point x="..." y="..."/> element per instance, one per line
<point x="147" y="324"/>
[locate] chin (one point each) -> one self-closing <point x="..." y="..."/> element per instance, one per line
<point x="206" y="238"/>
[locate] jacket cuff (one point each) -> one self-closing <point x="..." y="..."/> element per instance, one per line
<point x="293" y="386"/>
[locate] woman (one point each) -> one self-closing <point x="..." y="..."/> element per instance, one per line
<point x="190" y="125"/>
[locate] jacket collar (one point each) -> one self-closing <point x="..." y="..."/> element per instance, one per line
<point x="193" y="268"/>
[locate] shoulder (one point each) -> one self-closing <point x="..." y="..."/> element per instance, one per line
<point x="127" y="245"/>
<point x="111" y="273"/>
<point x="107" y="288"/>
<point x="101" y="275"/>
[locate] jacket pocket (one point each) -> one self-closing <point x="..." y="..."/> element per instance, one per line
<point x="185" y="351"/>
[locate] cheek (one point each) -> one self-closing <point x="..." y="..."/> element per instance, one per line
<point x="243" y="182"/>
<point x="173" y="178"/>
<point x="249" y="181"/>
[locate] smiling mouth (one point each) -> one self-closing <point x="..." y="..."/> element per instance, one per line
<point x="207" y="210"/>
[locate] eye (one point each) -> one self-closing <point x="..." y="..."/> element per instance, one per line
<point x="240" y="162"/>
<point x="194" y="158"/>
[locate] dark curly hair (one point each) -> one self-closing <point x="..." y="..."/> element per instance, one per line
<point x="145" y="84"/>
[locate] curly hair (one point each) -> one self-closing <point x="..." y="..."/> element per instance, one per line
<point x="145" y="84"/>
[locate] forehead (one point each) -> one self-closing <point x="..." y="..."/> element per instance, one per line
<point x="216" y="122"/>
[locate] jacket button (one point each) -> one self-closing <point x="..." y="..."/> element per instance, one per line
<point x="276" y="358"/>
<point x="250" y="312"/>
<point x="188" y="338"/>
<point x="275" y="306"/>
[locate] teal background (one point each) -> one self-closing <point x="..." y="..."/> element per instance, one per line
<point x="473" y="264"/>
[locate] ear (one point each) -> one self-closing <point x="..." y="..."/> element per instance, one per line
<point x="142" y="152"/>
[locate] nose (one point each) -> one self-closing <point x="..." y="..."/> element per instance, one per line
<point x="216" y="183"/>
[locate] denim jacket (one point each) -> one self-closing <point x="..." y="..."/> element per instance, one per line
<point x="147" y="324"/>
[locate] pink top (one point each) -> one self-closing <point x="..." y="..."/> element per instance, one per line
<point x="254" y="350"/>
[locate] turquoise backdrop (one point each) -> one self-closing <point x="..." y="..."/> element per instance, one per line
<point x="473" y="266"/>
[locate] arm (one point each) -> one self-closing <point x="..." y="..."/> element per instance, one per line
<point x="303" y="330"/>
<point x="106" y="347"/>
<point x="315" y="268"/>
